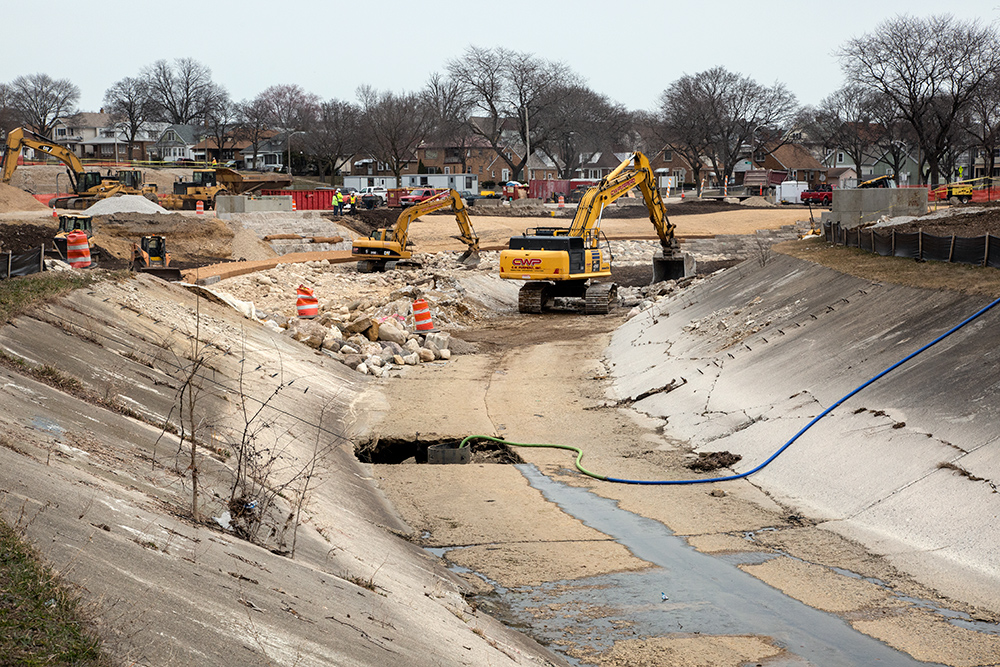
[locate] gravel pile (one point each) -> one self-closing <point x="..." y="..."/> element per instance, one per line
<point x="757" y="202"/>
<point x="124" y="204"/>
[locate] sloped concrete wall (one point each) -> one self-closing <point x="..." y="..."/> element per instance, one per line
<point x="759" y="352"/>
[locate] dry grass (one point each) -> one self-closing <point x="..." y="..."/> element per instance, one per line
<point x="961" y="278"/>
<point x="41" y="619"/>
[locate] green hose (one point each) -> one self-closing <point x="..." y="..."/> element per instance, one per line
<point x="579" y="452"/>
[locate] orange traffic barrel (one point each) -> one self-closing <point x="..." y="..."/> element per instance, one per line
<point x="562" y="202"/>
<point x="78" y="250"/>
<point x="306" y="304"/>
<point x="199" y="208"/>
<point x="422" y="316"/>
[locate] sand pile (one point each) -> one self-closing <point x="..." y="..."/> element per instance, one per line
<point x="124" y="204"/>
<point x="757" y="202"/>
<point x="15" y="199"/>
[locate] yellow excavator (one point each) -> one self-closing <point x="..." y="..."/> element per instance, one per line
<point x="88" y="186"/>
<point x="559" y="262"/>
<point x="387" y="248"/>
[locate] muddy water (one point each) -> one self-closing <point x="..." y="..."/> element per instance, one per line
<point x="704" y="594"/>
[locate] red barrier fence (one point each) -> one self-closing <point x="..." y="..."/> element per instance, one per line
<point x="306" y="200"/>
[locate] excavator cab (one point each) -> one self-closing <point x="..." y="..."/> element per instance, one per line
<point x="88" y="180"/>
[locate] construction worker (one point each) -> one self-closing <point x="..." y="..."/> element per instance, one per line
<point x="338" y="205"/>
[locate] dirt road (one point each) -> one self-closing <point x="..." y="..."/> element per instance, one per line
<point x="539" y="379"/>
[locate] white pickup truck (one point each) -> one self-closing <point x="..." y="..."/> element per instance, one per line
<point x="374" y="195"/>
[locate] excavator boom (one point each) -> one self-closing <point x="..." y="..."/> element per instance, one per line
<point x="386" y="247"/>
<point x="88" y="186"/>
<point x="562" y="262"/>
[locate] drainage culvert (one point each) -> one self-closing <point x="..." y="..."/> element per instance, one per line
<point x="434" y="450"/>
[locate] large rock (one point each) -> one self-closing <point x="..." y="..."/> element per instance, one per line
<point x="310" y="333"/>
<point x="359" y="325"/>
<point x="332" y="344"/>
<point x="372" y="331"/>
<point x="411" y="359"/>
<point x="426" y="355"/>
<point x="439" y="340"/>
<point x="390" y="332"/>
<point x="411" y="345"/>
<point x="352" y="360"/>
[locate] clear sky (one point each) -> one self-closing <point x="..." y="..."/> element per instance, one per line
<point x="629" y="51"/>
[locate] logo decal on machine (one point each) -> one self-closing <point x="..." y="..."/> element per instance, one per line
<point x="524" y="263"/>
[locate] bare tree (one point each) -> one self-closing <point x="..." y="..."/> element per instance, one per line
<point x="335" y="136"/>
<point x="848" y="120"/>
<point x="682" y="123"/>
<point x="580" y="123"/>
<point x="184" y="89"/>
<point x="39" y="100"/>
<point x="984" y="122"/>
<point x="393" y="125"/>
<point x="131" y="106"/>
<point x="515" y="91"/>
<point x="9" y="118"/>
<point x="292" y="109"/>
<point x="221" y="121"/>
<point x="253" y="123"/>
<point x="930" y="68"/>
<point x="449" y="105"/>
<point x="740" y="114"/>
<point x="897" y="141"/>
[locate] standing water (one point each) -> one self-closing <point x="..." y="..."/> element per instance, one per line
<point x="690" y="592"/>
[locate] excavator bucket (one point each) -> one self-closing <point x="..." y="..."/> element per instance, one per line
<point x="469" y="258"/>
<point x="672" y="267"/>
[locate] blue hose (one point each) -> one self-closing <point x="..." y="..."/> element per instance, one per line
<point x="773" y="456"/>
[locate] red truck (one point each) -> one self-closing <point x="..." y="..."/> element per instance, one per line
<point x="418" y="195"/>
<point x="821" y="195"/>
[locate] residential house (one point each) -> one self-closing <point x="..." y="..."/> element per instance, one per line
<point x="176" y="143"/>
<point x="842" y="177"/>
<point x="981" y="164"/>
<point x="796" y="161"/>
<point x="81" y="129"/>
<point x="667" y="163"/>
<point x="874" y="164"/>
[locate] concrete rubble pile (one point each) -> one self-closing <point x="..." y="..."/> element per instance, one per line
<point x="365" y="320"/>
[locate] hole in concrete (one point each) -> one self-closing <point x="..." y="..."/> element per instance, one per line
<point x="394" y="451"/>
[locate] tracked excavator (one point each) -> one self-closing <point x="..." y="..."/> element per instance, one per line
<point x="88" y="186"/>
<point x="388" y="248"/>
<point x="566" y="263"/>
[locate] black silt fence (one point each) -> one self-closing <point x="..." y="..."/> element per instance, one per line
<point x="12" y="265"/>
<point x="981" y="250"/>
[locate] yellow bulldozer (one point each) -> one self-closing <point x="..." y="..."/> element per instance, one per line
<point x="207" y="185"/>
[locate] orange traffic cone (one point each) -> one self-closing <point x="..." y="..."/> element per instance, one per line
<point x="306" y="304"/>
<point x="422" y="316"/>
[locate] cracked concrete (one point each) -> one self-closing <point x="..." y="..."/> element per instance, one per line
<point x="791" y="338"/>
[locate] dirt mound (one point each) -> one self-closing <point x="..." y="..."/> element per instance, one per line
<point x="16" y="199"/>
<point x="364" y="222"/>
<point x="757" y="202"/>
<point x="190" y="241"/>
<point x="21" y="237"/>
<point x="970" y="224"/>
